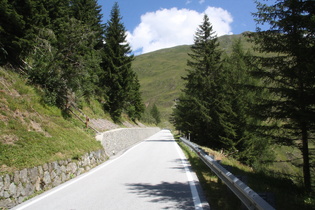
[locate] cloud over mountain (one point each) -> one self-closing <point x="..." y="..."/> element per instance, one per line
<point x="171" y="27"/>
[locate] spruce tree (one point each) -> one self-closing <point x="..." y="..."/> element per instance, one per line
<point x="204" y="101"/>
<point x="117" y="77"/>
<point x="134" y="105"/>
<point x="156" y="114"/>
<point x="56" y="44"/>
<point x="289" y="75"/>
<point x="19" y="24"/>
<point x="11" y="25"/>
<point x="77" y="58"/>
<point x="251" y="148"/>
<point x="89" y="12"/>
<point x="64" y="60"/>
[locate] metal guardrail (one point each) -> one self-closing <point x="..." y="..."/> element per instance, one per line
<point x="248" y="196"/>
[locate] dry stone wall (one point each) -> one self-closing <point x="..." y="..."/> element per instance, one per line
<point x="17" y="187"/>
<point x="21" y="185"/>
<point x="118" y="140"/>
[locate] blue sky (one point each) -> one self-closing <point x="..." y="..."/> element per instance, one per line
<point x="153" y="25"/>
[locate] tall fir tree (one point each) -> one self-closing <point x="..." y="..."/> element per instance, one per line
<point x="64" y="60"/>
<point x="117" y="77"/>
<point x="251" y="148"/>
<point x="11" y="25"/>
<point x="89" y="12"/>
<point x="19" y="24"/>
<point x="289" y="75"/>
<point x="56" y="43"/>
<point x="78" y="61"/>
<point x="134" y="105"/>
<point x="156" y="114"/>
<point x="204" y="100"/>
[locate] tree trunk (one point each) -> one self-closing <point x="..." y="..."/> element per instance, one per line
<point x="306" y="160"/>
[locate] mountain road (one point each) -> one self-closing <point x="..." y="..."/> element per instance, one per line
<point x="153" y="174"/>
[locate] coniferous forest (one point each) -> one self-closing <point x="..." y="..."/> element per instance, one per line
<point x="245" y="103"/>
<point x="64" y="48"/>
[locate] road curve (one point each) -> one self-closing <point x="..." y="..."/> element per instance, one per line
<point x="154" y="174"/>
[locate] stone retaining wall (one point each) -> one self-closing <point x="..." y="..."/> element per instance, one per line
<point x="21" y="185"/>
<point x="118" y="140"/>
<point x="16" y="188"/>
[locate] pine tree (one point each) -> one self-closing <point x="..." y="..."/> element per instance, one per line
<point x="10" y="26"/>
<point x="134" y="106"/>
<point x="89" y="12"/>
<point x="289" y="75"/>
<point x="56" y="43"/>
<point x="19" y="23"/>
<point x="77" y="58"/>
<point x="64" y="60"/>
<point x="251" y="148"/>
<point x="117" y="77"/>
<point x="156" y="114"/>
<point x="204" y="101"/>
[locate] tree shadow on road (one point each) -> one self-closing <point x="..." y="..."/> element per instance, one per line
<point x="177" y="193"/>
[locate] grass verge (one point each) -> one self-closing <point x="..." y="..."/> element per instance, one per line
<point x="280" y="191"/>
<point x="217" y="194"/>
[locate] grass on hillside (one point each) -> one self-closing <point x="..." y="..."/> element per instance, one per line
<point x="281" y="191"/>
<point x="32" y="133"/>
<point x="160" y="76"/>
<point x="160" y="73"/>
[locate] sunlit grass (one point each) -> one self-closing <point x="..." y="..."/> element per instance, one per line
<point x="32" y="133"/>
<point x="284" y="192"/>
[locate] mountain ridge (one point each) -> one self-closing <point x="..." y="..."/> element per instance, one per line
<point x="160" y="72"/>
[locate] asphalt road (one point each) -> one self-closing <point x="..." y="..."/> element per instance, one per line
<point x="153" y="174"/>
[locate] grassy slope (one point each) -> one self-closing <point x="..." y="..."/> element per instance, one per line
<point x="160" y="73"/>
<point x="32" y="133"/>
<point x="283" y="193"/>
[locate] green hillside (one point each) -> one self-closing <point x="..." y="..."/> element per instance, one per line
<point x="33" y="133"/>
<point x="160" y="73"/>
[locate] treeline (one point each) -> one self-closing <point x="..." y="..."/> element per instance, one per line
<point x="244" y="103"/>
<point x="63" y="48"/>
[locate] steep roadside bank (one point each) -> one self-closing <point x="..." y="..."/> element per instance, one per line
<point x="41" y="146"/>
<point x="23" y="184"/>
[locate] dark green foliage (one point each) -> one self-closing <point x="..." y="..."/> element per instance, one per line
<point x="59" y="45"/>
<point x="56" y="43"/>
<point x="16" y="30"/>
<point x="216" y="105"/>
<point x="289" y="75"/>
<point x="43" y="68"/>
<point x="204" y="107"/>
<point x="89" y="13"/>
<point x="117" y="76"/>
<point x="134" y="105"/>
<point x="146" y="116"/>
<point x="250" y="146"/>
<point x="80" y="61"/>
<point x="156" y="114"/>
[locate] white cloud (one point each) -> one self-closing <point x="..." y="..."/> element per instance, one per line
<point x="171" y="27"/>
<point x="201" y="1"/>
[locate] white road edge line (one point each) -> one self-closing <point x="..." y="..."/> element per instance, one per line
<point x="70" y="182"/>
<point x="193" y="188"/>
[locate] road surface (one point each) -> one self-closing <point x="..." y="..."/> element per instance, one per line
<point x="153" y="174"/>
